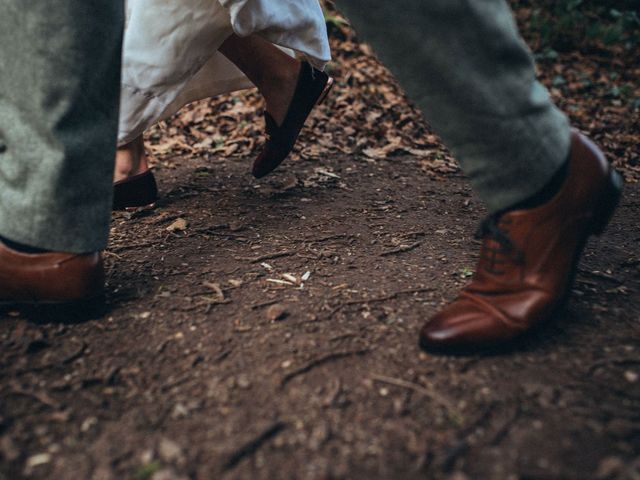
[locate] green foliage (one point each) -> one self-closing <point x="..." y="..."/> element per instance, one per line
<point x="333" y="20"/>
<point x="567" y="24"/>
<point x="146" y="471"/>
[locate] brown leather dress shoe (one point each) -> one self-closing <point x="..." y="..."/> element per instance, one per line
<point x="528" y="259"/>
<point x="311" y="89"/>
<point x="50" y="277"/>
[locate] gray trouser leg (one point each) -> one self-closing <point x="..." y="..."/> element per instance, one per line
<point x="465" y="65"/>
<point x="59" y="87"/>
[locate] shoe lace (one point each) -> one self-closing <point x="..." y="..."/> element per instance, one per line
<point x="505" y="252"/>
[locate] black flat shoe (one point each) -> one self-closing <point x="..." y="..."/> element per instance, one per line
<point x="139" y="191"/>
<point x="311" y="89"/>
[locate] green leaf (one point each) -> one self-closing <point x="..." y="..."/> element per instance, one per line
<point x="146" y="471"/>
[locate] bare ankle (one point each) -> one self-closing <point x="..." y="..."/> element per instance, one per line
<point x="131" y="159"/>
<point x="278" y="90"/>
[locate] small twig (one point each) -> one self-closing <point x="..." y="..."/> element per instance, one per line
<point x="268" y="256"/>
<point x="175" y="382"/>
<point x="404" y="248"/>
<point x="211" y="301"/>
<point x="111" y="254"/>
<point x="75" y="355"/>
<point x="343" y="337"/>
<point x="611" y="362"/>
<point x="166" y="219"/>
<point x="398" y="382"/>
<point x="503" y="431"/>
<point x="414" y="233"/>
<point x="221" y="356"/>
<point x="39" y="396"/>
<point x="334" y="392"/>
<point x="256" y="306"/>
<point x="253" y="445"/>
<point x="602" y="275"/>
<point x="211" y="231"/>
<point x="330" y="237"/>
<point x="321" y="361"/>
<point x="216" y="288"/>
<point x="131" y="246"/>
<point x="379" y="299"/>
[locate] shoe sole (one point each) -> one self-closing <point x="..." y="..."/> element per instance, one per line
<point x="141" y="208"/>
<point x="327" y="88"/>
<point x="602" y="217"/>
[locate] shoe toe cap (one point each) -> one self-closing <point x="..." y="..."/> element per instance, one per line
<point x="463" y="325"/>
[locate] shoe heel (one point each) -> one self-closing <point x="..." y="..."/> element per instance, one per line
<point x="608" y="203"/>
<point x="325" y="92"/>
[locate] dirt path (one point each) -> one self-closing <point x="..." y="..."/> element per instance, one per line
<point x="216" y="360"/>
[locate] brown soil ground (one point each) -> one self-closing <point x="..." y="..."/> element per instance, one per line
<point x="215" y="360"/>
<point x="268" y="330"/>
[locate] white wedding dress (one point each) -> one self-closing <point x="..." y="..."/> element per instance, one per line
<point x="170" y="52"/>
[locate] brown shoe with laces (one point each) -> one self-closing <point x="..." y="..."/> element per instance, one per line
<point x="528" y="259"/>
<point x="50" y="277"/>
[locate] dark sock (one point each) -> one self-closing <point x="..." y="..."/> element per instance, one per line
<point x="547" y="192"/>
<point x="21" y="247"/>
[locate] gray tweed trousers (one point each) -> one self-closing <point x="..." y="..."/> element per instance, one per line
<point x="59" y="90"/>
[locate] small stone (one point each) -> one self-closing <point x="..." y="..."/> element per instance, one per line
<point x="103" y="472"/>
<point x="179" y="411"/>
<point x="243" y="381"/>
<point x="88" y="423"/>
<point x="236" y="226"/>
<point x="290" y="278"/>
<point x="168" y="474"/>
<point x="8" y="449"/>
<point x="609" y="467"/>
<point x="146" y="456"/>
<point x="54" y="448"/>
<point x="169" y="451"/>
<point x="178" y="226"/>
<point x="632" y="377"/>
<point x="286" y="364"/>
<point x="36" y="460"/>
<point x="277" y="312"/>
<point x="458" y="476"/>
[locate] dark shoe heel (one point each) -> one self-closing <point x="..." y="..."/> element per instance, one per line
<point x="135" y="193"/>
<point x="325" y="92"/>
<point x="608" y="203"/>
